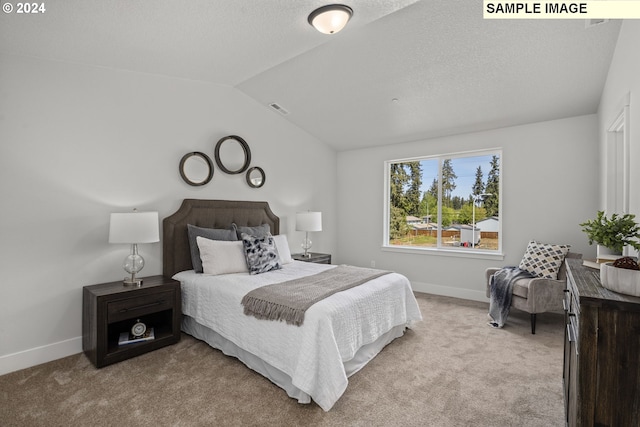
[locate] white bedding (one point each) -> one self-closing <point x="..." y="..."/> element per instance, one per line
<point x="313" y="354"/>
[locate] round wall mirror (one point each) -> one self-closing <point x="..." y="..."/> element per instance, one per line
<point x="232" y="154"/>
<point x="255" y="177"/>
<point x="196" y="168"/>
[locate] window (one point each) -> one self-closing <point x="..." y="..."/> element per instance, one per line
<point x="449" y="202"/>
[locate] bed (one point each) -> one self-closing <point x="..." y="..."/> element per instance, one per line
<point x="311" y="362"/>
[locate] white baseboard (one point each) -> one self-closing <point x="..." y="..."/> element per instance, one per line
<point x="448" y="291"/>
<point x="36" y="356"/>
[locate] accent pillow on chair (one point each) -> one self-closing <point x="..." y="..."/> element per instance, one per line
<point x="543" y="260"/>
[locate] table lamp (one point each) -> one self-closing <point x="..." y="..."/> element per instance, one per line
<point x="308" y="221"/>
<point x="133" y="228"/>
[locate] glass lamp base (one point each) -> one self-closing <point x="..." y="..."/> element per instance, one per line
<point x="132" y="264"/>
<point x="306" y="245"/>
<point x="132" y="281"/>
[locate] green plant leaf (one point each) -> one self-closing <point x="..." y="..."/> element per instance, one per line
<point x="614" y="233"/>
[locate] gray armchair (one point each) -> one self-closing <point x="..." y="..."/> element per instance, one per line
<point x="536" y="295"/>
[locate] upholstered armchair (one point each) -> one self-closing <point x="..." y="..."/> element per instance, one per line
<point x="536" y="295"/>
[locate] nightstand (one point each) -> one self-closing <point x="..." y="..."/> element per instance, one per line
<point x="109" y="309"/>
<point x="316" y="257"/>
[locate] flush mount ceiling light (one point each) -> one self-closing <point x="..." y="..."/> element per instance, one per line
<point x="331" y="18"/>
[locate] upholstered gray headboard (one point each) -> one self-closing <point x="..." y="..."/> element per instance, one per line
<point x="176" y="255"/>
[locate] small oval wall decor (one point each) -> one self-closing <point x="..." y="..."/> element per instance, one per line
<point x="256" y="177"/>
<point x="196" y="168"/>
<point x="232" y="154"/>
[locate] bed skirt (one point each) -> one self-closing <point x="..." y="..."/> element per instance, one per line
<point x="276" y="376"/>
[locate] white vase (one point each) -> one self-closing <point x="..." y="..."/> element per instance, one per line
<point x="621" y="280"/>
<point x="604" y="253"/>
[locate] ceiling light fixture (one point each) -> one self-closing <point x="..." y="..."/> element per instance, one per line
<point x="331" y="18"/>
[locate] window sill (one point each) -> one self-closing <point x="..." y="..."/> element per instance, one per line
<point x="458" y="253"/>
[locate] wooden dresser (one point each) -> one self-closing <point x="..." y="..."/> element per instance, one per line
<point x="601" y="373"/>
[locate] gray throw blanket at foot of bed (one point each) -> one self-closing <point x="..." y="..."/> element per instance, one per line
<point x="501" y="289"/>
<point x="290" y="300"/>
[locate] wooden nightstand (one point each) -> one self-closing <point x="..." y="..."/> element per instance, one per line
<point x="109" y="309"/>
<point x="316" y="257"/>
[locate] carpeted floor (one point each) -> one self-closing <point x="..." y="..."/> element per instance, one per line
<point x="450" y="370"/>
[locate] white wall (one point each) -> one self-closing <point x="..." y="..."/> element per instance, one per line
<point x="79" y="142"/>
<point x="624" y="79"/>
<point x="550" y="185"/>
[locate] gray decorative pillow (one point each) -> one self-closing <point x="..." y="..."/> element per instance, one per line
<point x="261" y="253"/>
<point x="207" y="233"/>
<point x="543" y="260"/>
<point x="257" y="231"/>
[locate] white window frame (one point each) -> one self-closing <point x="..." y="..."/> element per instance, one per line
<point x="440" y="250"/>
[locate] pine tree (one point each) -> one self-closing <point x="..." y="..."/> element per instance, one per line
<point x="412" y="195"/>
<point x="478" y="186"/>
<point x="491" y="203"/>
<point x="405" y="181"/>
<point x="398" y="179"/>
<point x="448" y="182"/>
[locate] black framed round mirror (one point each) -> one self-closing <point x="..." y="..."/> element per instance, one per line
<point x="256" y="177"/>
<point x="235" y="152"/>
<point x="196" y="168"/>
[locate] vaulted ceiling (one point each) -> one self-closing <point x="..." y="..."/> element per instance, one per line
<point x="400" y="71"/>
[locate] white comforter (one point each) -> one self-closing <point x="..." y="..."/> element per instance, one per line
<point x="333" y="330"/>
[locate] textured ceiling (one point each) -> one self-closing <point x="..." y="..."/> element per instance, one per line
<point x="449" y="70"/>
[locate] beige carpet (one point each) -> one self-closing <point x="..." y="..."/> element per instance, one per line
<point x="451" y="370"/>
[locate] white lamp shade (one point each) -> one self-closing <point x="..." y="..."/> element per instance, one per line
<point x="134" y="227"/>
<point x="309" y="221"/>
<point x="330" y="19"/>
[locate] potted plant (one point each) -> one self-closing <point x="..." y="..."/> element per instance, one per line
<point x="613" y="233"/>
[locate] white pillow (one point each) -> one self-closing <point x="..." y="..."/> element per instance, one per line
<point x="283" y="248"/>
<point x="221" y="257"/>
